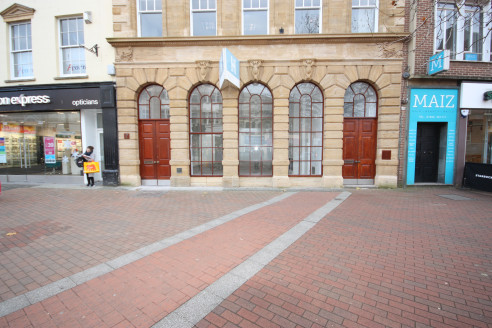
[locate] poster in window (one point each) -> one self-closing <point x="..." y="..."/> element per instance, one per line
<point x="3" y="154"/>
<point x="49" y="150"/>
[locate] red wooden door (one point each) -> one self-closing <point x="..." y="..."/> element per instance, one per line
<point x="359" y="148"/>
<point x="155" y="149"/>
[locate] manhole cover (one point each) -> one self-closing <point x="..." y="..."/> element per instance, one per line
<point x="455" y="197"/>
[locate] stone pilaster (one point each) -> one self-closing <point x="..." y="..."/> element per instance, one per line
<point x="230" y="160"/>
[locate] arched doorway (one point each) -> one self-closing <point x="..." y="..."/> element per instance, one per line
<point x="360" y="112"/>
<point x="154" y="135"/>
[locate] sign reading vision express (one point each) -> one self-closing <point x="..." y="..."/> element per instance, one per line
<point x="432" y="105"/>
<point x="50" y="99"/>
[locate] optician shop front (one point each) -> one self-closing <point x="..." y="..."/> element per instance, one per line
<point x="43" y="127"/>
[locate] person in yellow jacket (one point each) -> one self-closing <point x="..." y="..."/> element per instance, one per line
<point x="89" y="157"/>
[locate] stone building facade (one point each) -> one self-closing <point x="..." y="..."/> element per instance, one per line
<point x="333" y="61"/>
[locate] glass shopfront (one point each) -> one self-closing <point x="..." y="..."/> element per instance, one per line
<point x="479" y="137"/>
<point x="40" y="143"/>
<point x="44" y="127"/>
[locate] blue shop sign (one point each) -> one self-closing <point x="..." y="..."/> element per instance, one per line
<point x="432" y="105"/>
<point x="439" y="62"/>
<point x="228" y="69"/>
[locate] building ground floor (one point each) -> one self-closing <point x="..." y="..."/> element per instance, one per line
<point x="291" y="119"/>
<point x="449" y="133"/>
<point x="44" y="128"/>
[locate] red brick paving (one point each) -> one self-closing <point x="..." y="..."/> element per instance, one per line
<point x="61" y="231"/>
<point x="142" y="293"/>
<point x="381" y="259"/>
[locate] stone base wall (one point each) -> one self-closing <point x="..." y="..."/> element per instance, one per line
<point x="332" y="76"/>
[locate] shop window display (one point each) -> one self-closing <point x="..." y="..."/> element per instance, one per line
<point x="40" y="143"/>
<point x="479" y="137"/>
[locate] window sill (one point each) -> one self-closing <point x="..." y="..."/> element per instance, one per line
<point x="30" y="79"/>
<point x="71" y="77"/>
<point x="470" y="61"/>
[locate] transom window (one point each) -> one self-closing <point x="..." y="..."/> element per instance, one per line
<point x="305" y="130"/>
<point x="72" y="46"/>
<point x="206" y="131"/>
<point x="203" y="17"/>
<point x="255" y="131"/>
<point x="150" y="17"/>
<point x="308" y="16"/>
<point x="364" y="16"/>
<point x="21" y="50"/>
<point x="360" y="100"/>
<point x="153" y="103"/>
<point x="255" y="17"/>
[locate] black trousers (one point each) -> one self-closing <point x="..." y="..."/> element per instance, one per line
<point x="90" y="180"/>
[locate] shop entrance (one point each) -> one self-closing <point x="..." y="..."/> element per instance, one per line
<point x="430" y="152"/>
<point x="155" y="150"/>
<point x="359" y="150"/>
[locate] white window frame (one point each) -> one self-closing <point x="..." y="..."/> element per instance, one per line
<point x="256" y="9"/>
<point x="376" y="15"/>
<point x="12" y="52"/>
<point x="61" y="47"/>
<point x="202" y="11"/>
<point x="460" y="31"/>
<point x="139" y="13"/>
<point x="320" y="7"/>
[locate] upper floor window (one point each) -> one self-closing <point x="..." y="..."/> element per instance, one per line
<point x="72" y="46"/>
<point x="446" y="28"/>
<point x="364" y="16"/>
<point x="255" y="17"/>
<point x="150" y="17"/>
<point x="21" y="50"/>
<point x="308" y="16"/>
<point x="203" y="17"/>
<point x="461" y="30"/>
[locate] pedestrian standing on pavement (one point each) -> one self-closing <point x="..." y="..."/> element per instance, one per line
<point x="89" y="157"/>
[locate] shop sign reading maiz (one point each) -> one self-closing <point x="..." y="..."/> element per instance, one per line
<point x="24" y="100"/>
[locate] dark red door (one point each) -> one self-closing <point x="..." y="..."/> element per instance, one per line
<point x="359" y="148"/>
<point x="155" y="149"/>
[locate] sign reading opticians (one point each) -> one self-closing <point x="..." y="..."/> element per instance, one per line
<point x="50" y="99"/>
<point x="439" y="62"/>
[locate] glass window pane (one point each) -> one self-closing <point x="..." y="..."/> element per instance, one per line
<point x="294" y="139"/>
<point x="195" y="140"/>
<point x="363" y="20"/>
<point x="306" y="124"/>
<point x="317" y="109"/>
<point x="295" y="95"/>
<point x="195" y="154"/>
<point x="316" y="95"/>
<point x="316" y="153"/>
<point x="255" y="106"/>
<point x="206" y="168"/>
<point x="294" y="109"/>
<point x="206" y="140"/>
<point x="206" y="125"/>
<point x="371" y="110"/>
<point x="143" y="111"/>
<point x="217" y="168"/>
<point x="255" y="22"/>
<point x="204" y="23"/>
<point x="165" y="111"/>
<point x="217" y="125"/>
<point x="305" y="106"/>
<point x="267" y="125"/>
<point x="307" y="21"/>
<point x="359" y="102"/>
<point x="267" y="168"/>
<point x="151" y="25"/>
<point x="195" y="125"/>
<point x="155" y="108"/>
<point x="195" y="4"/>
<point x="294" y="124"/>
<point x="317" y="139"/>
<point x="195" y="110"/>
<point x="317" y="124"/>
<point x="206" y="154"/>
<point x="217" y="139"/>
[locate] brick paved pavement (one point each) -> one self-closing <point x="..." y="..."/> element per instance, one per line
<point x="384" y="258"/>
<point x="64" y="231"/>
<point x="381" y="259"/>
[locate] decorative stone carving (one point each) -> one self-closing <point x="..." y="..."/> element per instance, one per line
<point x="124" y="54"/>
<point x="255" y="69"/>
<point x="202" y="69"/>
<point x="309" y="66"/>
<point x="17" y="12"/>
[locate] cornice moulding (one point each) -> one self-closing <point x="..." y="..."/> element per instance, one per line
<point x="257" y="40"/>
<point x="17" y="12"/>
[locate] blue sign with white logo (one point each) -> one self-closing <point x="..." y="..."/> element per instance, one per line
<point x="439" y="62"/>
<point x="432" y="105"/>
<point x="228" y="68"/>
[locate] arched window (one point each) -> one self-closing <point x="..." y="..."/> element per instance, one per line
<point x="206" y="131"/>
<point x="255" y="131"/>
<point x="153" y="103"/>
<point x="360" y="100"/>
<point x="305" y="130"/>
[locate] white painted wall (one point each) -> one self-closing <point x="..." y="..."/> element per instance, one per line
<point x="45" y="38"/>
